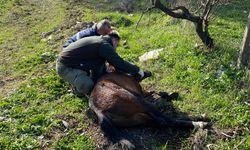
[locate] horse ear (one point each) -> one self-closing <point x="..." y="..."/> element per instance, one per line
<point x="147" y="74"/>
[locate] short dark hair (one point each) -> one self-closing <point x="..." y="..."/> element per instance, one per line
<point x="101" y="24"/>
<point x="114" y="34"/>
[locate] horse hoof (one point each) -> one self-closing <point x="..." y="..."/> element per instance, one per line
<point x="174" y="96"/>
<point x="202" y="125"/>
<point x="126" y="145"/>
<point x="163" y="95"/>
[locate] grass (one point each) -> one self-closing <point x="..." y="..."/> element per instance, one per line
<point x="37" y="111"/>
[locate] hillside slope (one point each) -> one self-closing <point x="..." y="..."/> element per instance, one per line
<point x="37" y="110"/>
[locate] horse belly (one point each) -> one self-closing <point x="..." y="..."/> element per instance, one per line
<point x="120" y="105"/>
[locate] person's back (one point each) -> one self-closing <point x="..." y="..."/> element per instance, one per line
<point x="84" y="54"/>
<point x="82" y="47"/>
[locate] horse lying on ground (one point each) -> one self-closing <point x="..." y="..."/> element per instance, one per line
<point x="118" y="101"/>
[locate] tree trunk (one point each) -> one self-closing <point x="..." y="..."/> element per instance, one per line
<point x="244" y="58"/>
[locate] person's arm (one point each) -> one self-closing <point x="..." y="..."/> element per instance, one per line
<point x="81" y="34"/>
<point x="85" y="33"/>
<point x="107" y="52"/>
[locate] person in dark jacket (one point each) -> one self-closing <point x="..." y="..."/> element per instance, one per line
<point x="101" y="28"/>
<point x="83" y="62"/>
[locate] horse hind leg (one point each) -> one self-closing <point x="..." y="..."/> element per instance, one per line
<point x="161" y="120"/>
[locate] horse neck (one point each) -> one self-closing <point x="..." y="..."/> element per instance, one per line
<point x="125" y="81"/>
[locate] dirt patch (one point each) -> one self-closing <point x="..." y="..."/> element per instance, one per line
<point x="198" y="139"/>
<point x="144" y="138"/>
<point x="2" y="83"/>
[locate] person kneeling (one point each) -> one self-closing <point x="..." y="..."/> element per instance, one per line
<point x="83" y="62"/>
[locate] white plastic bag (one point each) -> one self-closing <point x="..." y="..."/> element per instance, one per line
<point x="154" y="54"/>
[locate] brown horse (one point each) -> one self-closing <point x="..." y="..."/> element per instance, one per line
<point x="118" y="101"/>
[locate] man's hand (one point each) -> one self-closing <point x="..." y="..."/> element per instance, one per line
<point x="143" y="74"/>
<point x="109" y="68"/>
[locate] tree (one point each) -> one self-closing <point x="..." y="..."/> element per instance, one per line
<point x="200" y="21"/>
<point x="244" y="58"/>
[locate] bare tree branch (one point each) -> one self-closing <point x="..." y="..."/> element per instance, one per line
<point x="147" y="10"/>
<point x="207" y="8"/>
<point x="200" y="22"/>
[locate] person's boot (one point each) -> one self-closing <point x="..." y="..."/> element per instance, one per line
<point x="77" y="93"/>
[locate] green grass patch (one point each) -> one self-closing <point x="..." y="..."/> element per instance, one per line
<point x="34" y="114"/>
